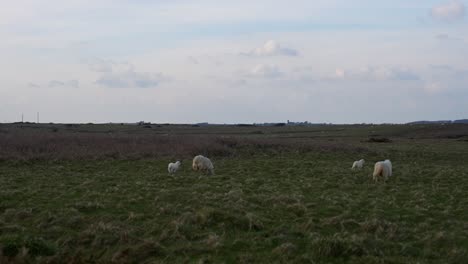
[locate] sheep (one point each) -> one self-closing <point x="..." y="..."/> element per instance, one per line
<point x="382" y="168"/>
<point x="201" y="163"/>
<point x="389" y="163"/>
<point x="173" y="167"/>
<point x="358" y="164"/>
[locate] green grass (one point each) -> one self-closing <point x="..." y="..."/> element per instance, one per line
<point x="259" y="207"/>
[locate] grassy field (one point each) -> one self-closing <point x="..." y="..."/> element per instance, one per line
<point x="102" y="194"/>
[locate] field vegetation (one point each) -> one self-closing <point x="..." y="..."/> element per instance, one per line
<point x="102" y="194"/>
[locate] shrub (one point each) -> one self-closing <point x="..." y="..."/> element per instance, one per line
<point x="379" y="140"/>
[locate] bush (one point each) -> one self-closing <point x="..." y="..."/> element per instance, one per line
<point x="379" y="140"/>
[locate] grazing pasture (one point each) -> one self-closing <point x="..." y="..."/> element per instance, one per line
<point x="102" y="194"/>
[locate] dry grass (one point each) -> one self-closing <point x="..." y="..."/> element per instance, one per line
<point x="39" y="143"/>
<point x="273" y="199"/>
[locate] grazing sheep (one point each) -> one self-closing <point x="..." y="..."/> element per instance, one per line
<point x="201" y="163"/>
<point x="383" y="169"/>
<point x="358" y="164"/>
<point x="173" y="167"/>
<point x="389" y="163"/>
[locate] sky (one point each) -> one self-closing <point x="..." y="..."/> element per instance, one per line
<point x="180" y="61"/>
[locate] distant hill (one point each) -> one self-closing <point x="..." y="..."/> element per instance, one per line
<point x="459" y="121"/>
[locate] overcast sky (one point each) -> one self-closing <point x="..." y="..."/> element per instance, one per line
<point x="241" y="61"/>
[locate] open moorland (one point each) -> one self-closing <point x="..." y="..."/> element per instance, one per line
<point x="282" y="194"/>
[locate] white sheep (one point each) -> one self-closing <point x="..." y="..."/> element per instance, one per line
<point x="201" y="163"/>
<point x="358" y="164"/>
<point x="389" y="164"/>
<point x="172" y="168"/>
<point x="383" y="169"/>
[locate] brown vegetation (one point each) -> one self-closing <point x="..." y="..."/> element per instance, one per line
<point x="56" y="144"/>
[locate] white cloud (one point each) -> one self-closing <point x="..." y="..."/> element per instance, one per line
<point x="404" y="74"/>
<point x="377" y="73"/>
<point x="130" y="79"/>
<point x="265" y="71"/>
<point x="272" y="48"/>
<point x="192" y="60"/>
<point x="442" y="36"/>
<point x="433" y="88"/>
<point x="340" y="73"/>
<point x="117" y="74"/>
<point x="450" y="39"/>
<point x="60" y="84"/>
<point x="450" y="11"/>
<point x="100" y="65"/>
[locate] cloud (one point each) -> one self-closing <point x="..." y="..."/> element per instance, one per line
<point x="433" y="88"/>
<point x="450" y="11"/>
<point x="265" y="71"/>
<point x="192" y="60"/>
<point x="450" y="39"/>
<point x="118" y="74"/>
<point x="106" y="65"/>
<point x="340" y="73"/>
<point x="442" y="36"/>
<point x="130" y="79"/>
<point x="447" y="79"/>
<point x="62" y="84"/>
<point x="403" y="74"/>
<point x="240" y="82"/>
<point x="272" y="48"/>
<point x="372" y="73"/>
<point x="443" y="67"/>
<point x="99" y="65"/>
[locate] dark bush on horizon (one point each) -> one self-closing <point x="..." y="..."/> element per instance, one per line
<point x="379" y="140"/>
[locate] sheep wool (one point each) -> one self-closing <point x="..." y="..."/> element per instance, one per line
<point x="202" y="163"/>
<point x="382" y="169"/>
<point x="358" y="164"/>
<point x="172" y="168"/>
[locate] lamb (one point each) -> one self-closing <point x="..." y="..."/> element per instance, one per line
<point x="172" y="168"/>
<point x="358" y="164"/>
<point x="383" y="169"/>
<point x="201" y="163"/>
